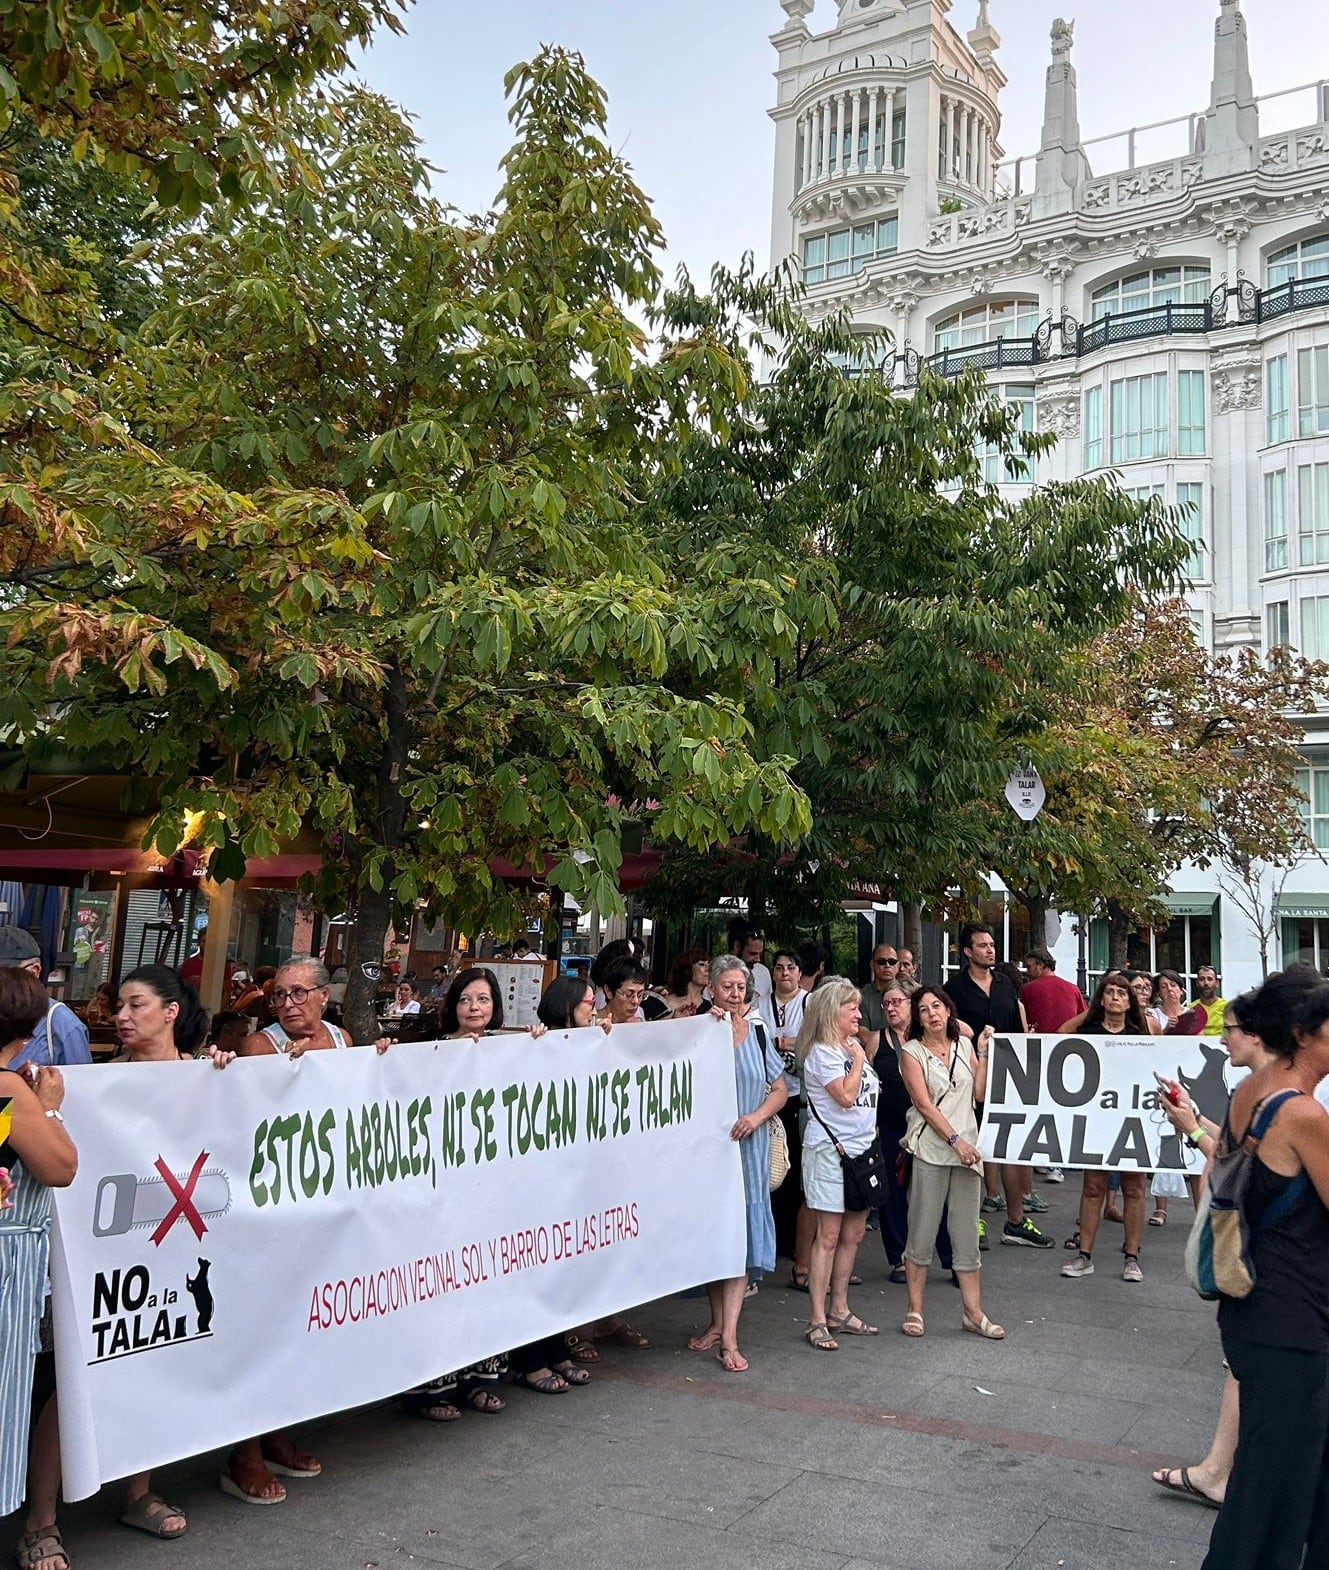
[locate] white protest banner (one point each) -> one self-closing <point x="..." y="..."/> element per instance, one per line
<point x="248" y="1248"/>
<point x="1093" y="1101"/>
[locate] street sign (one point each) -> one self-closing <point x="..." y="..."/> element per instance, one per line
<point x="1026" y="793"/>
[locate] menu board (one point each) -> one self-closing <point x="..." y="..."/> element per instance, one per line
<point x="520" y="983"/>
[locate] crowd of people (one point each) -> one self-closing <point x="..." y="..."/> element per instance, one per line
<point x="878" y="1093"/>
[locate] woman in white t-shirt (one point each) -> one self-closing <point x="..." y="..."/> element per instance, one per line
<point x="841" y="1090"/>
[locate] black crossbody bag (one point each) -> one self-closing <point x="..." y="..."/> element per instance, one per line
<point x="864" y="1176"/>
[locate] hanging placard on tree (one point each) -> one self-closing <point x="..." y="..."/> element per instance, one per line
<point x="1026" y="793"/>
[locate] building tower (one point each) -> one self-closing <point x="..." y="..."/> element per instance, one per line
<point x="1166" y="316"/>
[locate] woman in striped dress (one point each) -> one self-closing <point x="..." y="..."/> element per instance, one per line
<point x="759" y="1079"/>
<point x="40" y="1156"/>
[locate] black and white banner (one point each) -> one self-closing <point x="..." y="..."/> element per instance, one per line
<point x="1093" y="1102"/>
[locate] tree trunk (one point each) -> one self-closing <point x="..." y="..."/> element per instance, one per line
<point x="911" y="931"/>
<point x="386" y="818"/>
<point x="1038" y="906"/>
<point x="1120" y="926"/>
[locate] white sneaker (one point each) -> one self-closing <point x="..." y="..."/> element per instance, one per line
<point x="1081" y="1265"/>
<point x="1131" y="1270"/>
<point x="1050" y="1174"/>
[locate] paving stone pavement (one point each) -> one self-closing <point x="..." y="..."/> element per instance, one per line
<point x="891" y="1454"/>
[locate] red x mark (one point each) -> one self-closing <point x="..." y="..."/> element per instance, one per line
<point x="184" y="1207"/>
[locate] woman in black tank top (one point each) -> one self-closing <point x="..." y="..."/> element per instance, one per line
<point x="1277" y="1339"/>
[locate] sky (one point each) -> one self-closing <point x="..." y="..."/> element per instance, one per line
<point x="690" y="85"/>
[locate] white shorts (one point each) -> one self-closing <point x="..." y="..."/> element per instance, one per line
<point x="823" y="1178"/>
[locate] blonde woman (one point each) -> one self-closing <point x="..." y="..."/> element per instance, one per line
<point x="841" y="1091"/>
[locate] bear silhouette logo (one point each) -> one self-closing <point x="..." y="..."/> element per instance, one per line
<point x="201" y="1292"/>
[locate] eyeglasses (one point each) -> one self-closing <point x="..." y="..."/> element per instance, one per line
<point x="296" y="995"/>
<point x="631" y="994"/>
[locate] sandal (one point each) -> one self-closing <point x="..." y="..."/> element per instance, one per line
<point x="983" y="1327"/>
<point x="550" y="1384"/>
<point x="486" y="1401"/>
<point x="913" y="1324"/>
<point x="820" y="1338"/>
<point x="706" y="1342"/>
<point x="851" y="1325"/>
<point x="1184" y="1486"/>
<point x="798" y="1281"/>
<point x="731" y="1360"/>
<point x="1158" y="1219"/>
<point x="286" y="1458"/>
<point x="625" y="1334"/>
<point x="253" y="1485"/>
<point x="1073" y="1241"/>
<point x="1111" y="1213"/>
<point x="572" y="1373"/>
<point x="150" y="1512"/>
<point x="582" y="1350"/>
<point x="435" y="1412"/>
<point x="41" y="1544"/>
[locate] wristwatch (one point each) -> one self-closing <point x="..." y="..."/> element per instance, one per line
<point x="953" y="1141"/>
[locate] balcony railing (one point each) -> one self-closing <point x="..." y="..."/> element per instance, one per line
<point x="1230" y="305"/>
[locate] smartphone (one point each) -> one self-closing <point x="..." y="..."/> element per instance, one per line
<point x="1166" y="1087"/>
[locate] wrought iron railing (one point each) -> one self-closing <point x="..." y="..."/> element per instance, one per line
<point x="1229" y="305"/>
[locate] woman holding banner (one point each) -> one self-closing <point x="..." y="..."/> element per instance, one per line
<point x="159" y="1020"/>
<point x="759" y="1078"/>
<point x="42" y="1157"/>
<point x="1114" y="1011"/>
<point x="946" y="1075"/>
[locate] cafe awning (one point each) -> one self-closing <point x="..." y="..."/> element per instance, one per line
<point x="1180" y="904"/>
<point x="1303" y="907"/>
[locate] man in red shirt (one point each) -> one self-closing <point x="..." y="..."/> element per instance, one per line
<point x="1048" y="1000"/>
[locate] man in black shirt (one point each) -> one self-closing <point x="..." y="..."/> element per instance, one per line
<point x="983" y="997"/>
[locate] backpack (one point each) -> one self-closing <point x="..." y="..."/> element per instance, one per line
<point x="1218" y="1251"/>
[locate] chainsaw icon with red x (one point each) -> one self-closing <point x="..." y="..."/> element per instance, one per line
<point x="126" y="1203"/>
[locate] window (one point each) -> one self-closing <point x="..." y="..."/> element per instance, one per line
<point x="1277" y="626"/>
<point x="1093" y="428"/>
<point x="1276" y="400"/>
<point x="1313" y="515"/>
<point x="1190" y="506"/>
<point x="1275" y="521"/>
<point x="1306" y="259"/>
<point x="1020" y="397"/>
<point x="1315" y="632"/>
<point x="1312" y="392"/>
<point x="1184" y="945"/>
<point x="1190" y="414"/>
<point x="1139" y="418"/>
<point x="879" y="158"/>
<point x="846" y="251"/>
<point x="814" y="258"/>
<point x="1157" y="286"/>
<point x="987" y="323"/>
<point x="1313" y="784"/>
<point x="837" y="254"/>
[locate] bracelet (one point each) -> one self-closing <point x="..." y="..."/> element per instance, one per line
<point x="1198" y="1133"/>
<point x="953" y="1141"/>
<point x="980" y="1056"/>
<point x="51" y="1112"/>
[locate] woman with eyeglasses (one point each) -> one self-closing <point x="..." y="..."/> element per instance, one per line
<point x="624" y="982"/>
<point x="946" y="1075"/>
<point x="254" y="1470"/>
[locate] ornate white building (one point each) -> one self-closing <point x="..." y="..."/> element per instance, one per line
<point x="1166" y="317"/>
